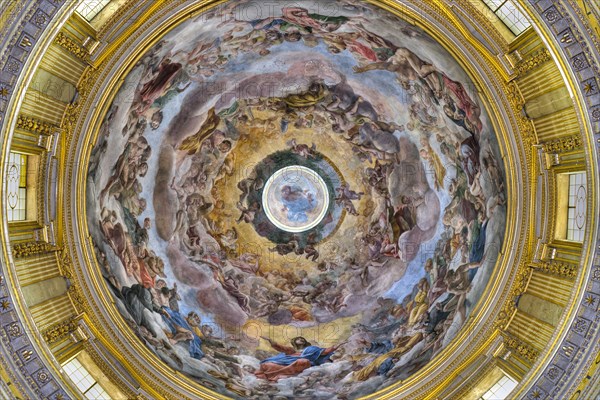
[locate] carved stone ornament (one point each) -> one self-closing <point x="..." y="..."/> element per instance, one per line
<point x="521" y="348"/>
<point x="532" y="62"/>
<point x="60" y="330"/>
<point x="563" y="145"/>
<point x="31" y="248"/>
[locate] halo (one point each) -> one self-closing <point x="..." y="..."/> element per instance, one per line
<point x="295" y="174"/>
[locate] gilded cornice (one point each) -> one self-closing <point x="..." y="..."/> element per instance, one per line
<point x="521" y="348"/>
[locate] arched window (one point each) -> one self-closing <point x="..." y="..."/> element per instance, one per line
<point x="88" y="9"/>
<point x="576" y="214"/>
<point x="509" y="14"/>
<point x="17" y="187"/>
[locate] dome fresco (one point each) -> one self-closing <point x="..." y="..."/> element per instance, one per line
<point x="301" y="201"/>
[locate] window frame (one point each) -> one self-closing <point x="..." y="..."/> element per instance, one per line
<point x="89" y="9"/>
<point x="74" y="366"/>
<point x="518" y="25"/>
<point x="572" y="207"/>
<point x="497" y="386"/>
<point x="21" y="189"/>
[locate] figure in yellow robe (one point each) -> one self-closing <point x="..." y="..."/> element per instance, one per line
<point x="402" y="345"/>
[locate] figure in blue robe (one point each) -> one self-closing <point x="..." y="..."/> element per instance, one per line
<point x="175" y="320"/>
<point x="297" y="203"/>
<point x="314" y="354"/>
<point x="293" y="360"/>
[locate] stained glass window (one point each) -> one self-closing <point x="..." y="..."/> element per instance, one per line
<point x="500" y="390"/>
<point x="577" y="207"/>
<point x="88" y="9"/>
<point x="17" y="187"/>
<point x="84" y="381"/>
<point x="508" y="13"/>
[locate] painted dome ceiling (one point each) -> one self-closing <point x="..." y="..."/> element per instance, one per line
<point x="304" y="204"/>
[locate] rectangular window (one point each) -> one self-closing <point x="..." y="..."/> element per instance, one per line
<point x="88" y="9"/>
<point x="500" y="390"/>
<point x="577" y="209"/>
<point x="84" y="381"/>
<point x="97" y="392"/>
<point x="17" y="187"/>
<point x="508" y="13"/>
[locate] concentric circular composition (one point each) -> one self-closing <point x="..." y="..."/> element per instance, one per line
<point x="295" y="199"/>
<point x="307" y="203"/>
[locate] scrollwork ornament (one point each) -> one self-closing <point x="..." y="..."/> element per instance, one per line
<point x="67" y="270"/>
<point x="65" y="264"/>
<point x="77" y="297"/>
<point x="505" y="316"/>
<point x="521" y="281"/>
<point x="73" y="110"/>
<point x="514" y="95"/>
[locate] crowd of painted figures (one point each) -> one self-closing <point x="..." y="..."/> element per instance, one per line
<point x="392" y="338"/>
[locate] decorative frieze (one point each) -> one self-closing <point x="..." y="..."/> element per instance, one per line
<point x="532" y="62"/>
<point x="75" y="293"/>
<point x="31" y="248"/>
<point x="60" y="330"/>
<point x="35" y="126"/>
<point x="557" y="268"/>
<point x="521" y="348"/>
<point x="69" y="44"/>
<point x="563" y="144"/>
